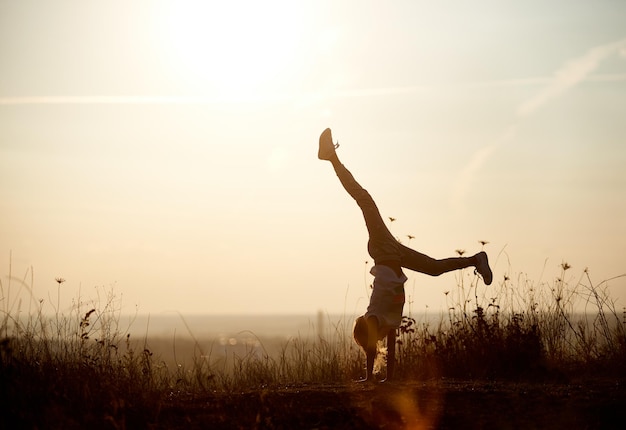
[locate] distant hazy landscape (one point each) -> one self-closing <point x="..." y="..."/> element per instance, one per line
<point x="262" y="325"/>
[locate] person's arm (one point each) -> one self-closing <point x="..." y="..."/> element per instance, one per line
<point x="391" y="354"/>
<point x="370" y="351"/>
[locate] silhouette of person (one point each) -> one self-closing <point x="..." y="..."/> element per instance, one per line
<point x="384" y="312"/>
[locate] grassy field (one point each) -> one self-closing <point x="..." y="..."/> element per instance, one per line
<point x="516" y="355"/>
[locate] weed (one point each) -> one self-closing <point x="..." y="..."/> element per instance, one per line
<point x="512" y="330"/>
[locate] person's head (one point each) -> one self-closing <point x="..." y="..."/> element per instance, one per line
<point x="360" y="332"/>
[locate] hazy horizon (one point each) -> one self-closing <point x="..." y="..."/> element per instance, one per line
<point x="168" y="152"/>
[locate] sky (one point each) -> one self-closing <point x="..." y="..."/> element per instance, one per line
<point x="165" y="153"/>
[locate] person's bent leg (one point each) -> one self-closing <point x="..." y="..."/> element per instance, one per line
<point x="418" y="262"/>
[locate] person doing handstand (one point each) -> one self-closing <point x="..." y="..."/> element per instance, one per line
<point x="384" y="313"/>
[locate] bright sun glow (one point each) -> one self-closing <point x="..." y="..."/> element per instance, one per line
<point x="234" y="50"/>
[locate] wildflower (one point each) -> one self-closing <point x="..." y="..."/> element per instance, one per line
<point x="565" y="266"/>
<point x="59" y="280"/>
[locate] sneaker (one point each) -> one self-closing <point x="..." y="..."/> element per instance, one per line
<point x="327" y="147"/>
<point x="482" y="267"/>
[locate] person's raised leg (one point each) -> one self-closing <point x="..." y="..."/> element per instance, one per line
<point x="382" y="246"/>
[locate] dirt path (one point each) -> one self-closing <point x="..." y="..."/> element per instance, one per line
<point x="416" y="405"/>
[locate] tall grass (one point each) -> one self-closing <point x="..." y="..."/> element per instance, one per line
<point x="513" y="329"/>
<point x="519" y="330"/>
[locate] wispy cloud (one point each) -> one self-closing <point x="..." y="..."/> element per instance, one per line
<point x="61" y="100"/>
<point x="572" y="73"/>
<point x="479" y="158"/>
<point x="120" y="100"/>
<point x="313" y="97"/>
<point x="498" y="83"/>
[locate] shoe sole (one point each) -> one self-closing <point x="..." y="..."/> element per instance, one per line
<point x="324" y="152"/>
<point x="488" y="275"/>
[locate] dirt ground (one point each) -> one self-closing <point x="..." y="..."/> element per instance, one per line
<point x="441" y="404"/>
